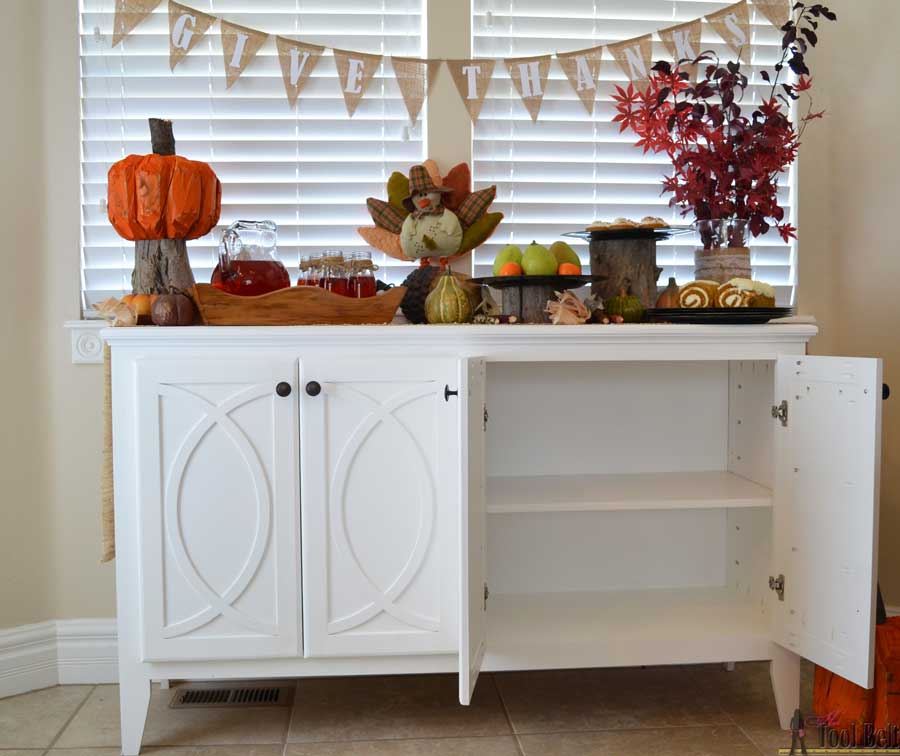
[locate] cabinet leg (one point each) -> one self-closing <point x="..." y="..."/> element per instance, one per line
<point x="134" y="700"/>
<point x="729" y="666"/>
<point x="785" y="673"/>
<point x="164" y="685"/>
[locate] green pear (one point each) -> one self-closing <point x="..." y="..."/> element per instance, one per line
<point x="539" y="261"/>
<point x="510" y="253"/>
<point x="564" y="253"/>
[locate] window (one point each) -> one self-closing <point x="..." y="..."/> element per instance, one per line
<point x="570" y="168"/>
<point x="309" y="170"/>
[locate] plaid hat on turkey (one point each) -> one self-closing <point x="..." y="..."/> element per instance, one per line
<point x="420" y="182"/>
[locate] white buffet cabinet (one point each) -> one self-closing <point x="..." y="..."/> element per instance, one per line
<point x="318" y="501"/>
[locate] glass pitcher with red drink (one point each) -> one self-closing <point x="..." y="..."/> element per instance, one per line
<point x="247" y="262"/>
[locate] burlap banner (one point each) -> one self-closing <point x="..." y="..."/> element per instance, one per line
<point x="472" y="78"/>
<point x="355" y="72"/>
<point x="777" y="12"/>
<point x="186" y="27"/>
<point x="298" y="59"/>
<point x="529" y="77"/>
<point x="239" y="46"/>
<point x="582" y="69"/>
<point x="732" y="24"/>
<point x="129" y="13"/>
<point x="635" y="58"/>
<point x="414" y="77"/>
<point x="683" y="43"/>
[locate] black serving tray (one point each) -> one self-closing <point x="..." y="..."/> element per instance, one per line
<point x="659" y="234"/>
<point x="719" y="315"/>
<point x="559" y="282"/>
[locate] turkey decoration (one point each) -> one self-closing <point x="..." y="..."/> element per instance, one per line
<point x="427" y="216"/>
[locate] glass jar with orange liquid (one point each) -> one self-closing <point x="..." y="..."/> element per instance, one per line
<point x="362" y="275"/>
<point x="334" y="274"/>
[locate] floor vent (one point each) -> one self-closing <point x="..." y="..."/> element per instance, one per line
<point x="213" y="695"/>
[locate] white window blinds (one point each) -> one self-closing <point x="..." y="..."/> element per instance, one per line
<point x="309" y="170"/>
<point x="569" y="168"/>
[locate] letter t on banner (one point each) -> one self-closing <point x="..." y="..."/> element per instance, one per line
<point x="529" y="76"/>
<point x="471" y="78"/>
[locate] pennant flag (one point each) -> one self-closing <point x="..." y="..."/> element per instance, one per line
<point x="529" y="76"/>
<point x="129" y="13"/>
<point x="472" y="78"/>
<point x="732" y="24"/>
<point x="239" y="46"/>
<point x="683" y="43"/>
<point x="186" y="27"/>
<point x="414" y="77"/>
<point x="582" y="69"/>
<point x="776" y="11"/>
<point x="355" y="72"/>
<point x="635" y="58"/>
<point x="298" y="59"/>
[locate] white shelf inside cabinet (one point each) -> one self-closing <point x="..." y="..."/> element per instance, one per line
<point x="623" y="628"/>
<point x="585" y="493"/>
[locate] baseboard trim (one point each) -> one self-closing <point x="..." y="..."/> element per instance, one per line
<point x="57" y="652"/>
<point x="27" y="658"/>
<point x="87" y="651"/>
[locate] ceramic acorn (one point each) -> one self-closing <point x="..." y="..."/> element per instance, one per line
<point x="428" y="216"/>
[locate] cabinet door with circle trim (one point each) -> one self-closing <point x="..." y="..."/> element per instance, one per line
<point x="380" y="481"/>
<point x="218" y="491"/>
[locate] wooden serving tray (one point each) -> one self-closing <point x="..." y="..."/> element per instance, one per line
<point x="296" y="305"/>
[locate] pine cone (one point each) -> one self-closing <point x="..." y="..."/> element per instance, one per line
<point x="418" y="285"/>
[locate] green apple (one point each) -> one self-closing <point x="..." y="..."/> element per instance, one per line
<point x="564" y="253"/>
<point x="510" y="253"/>
<point x="539" y="261"/>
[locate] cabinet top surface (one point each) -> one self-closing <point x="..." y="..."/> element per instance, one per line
<point x="522" y="342"/>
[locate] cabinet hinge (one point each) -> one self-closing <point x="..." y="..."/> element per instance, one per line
<point x="780" y="412"/>
<point x="486" y="417"/>
<point x="487" y="594"/>
<point x="777" y="584"/>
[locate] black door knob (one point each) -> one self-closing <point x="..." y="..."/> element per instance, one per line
<point x="283" y="389"/>
<point x="313" y="388"/>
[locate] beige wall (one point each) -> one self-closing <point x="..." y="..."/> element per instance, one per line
<point x="850" y="198"/>
<point x="25" y="535"/>
<point x="49" y="541"/>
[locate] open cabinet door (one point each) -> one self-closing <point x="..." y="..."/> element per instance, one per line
<point x="473" y="582"/>
<point x="827" y="457"/>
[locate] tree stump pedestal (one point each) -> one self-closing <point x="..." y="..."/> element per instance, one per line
<point x="625" y="263"/>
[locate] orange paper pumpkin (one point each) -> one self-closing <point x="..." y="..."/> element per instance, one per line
<point x="162" y="197"/>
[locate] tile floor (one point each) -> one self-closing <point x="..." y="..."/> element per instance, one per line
<point x="689" y="711"/>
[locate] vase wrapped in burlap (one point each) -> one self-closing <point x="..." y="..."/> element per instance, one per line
<point x="724" y="255"/>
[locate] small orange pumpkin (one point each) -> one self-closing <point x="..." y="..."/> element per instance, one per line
<point x="142" y="304"/>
